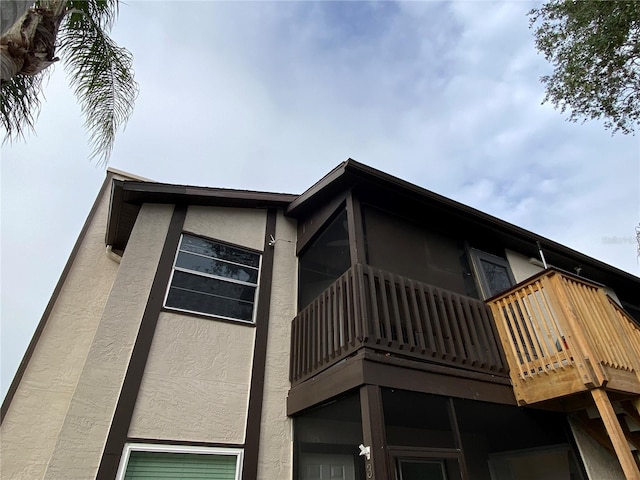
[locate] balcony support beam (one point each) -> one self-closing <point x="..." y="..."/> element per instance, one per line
<point x="616" y="434"/>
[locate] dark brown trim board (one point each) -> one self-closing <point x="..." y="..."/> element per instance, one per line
<point x="332" y="382"/>
<point x="356" y="230"/>
<point x="366" y="367"/>
<point x="54" y="298"/>
<point x="162" y="441"/>
<point x="311" y="226"/>
<point x="373" y="432"/>
<point x="256" y="392"/>
<point x="117" y="436"/>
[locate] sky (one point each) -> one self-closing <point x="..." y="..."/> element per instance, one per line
<point x="272" y="95"/>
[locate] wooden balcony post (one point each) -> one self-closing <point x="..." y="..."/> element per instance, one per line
<point x="614" y="430"/>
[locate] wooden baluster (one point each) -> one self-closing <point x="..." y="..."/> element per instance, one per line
<point x="473" y="325"/>
<point x="467" y="345"/>
<point x="591" y="372"/>
<point x="437" y="320"/>
<point x="514" y="338"/>
<point x="485" y="332"/>
<point x="405" y="314"/>
<point x="537" y="335"/>
<point x="426" y="320"/>
<point x="395" y="310"/>
<point x="373" y="295"/>
<point x="293" y="347"/>
<point x="417" y="319"/>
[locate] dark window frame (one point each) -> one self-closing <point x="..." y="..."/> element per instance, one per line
<point x="477" y="257"/>
<point x="216" y="278"/>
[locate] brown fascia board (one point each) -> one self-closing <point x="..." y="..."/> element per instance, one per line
<point x="351" y="173"/>
<point x="128" y="196"/>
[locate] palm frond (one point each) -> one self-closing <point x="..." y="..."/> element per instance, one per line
<point x="20" y="104"/>
<point x="101" y="73"/>
<point x="103" y="12"/>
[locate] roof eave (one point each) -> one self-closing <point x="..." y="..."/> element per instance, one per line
<point x="128" y="196"/>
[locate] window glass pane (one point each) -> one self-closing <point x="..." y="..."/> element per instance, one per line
<point x="206" y="279"/>
<point x="421" y="470"/>
<point x="212" y="286"/>
<point x="216" y="267"/>
<point x="496" y="276"/>
<point x="204" y="303"/>
<point x="180" y="466"/>
<point x="218" y="250"/>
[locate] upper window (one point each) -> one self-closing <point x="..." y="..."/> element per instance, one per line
<point x="214" y="278"/>
<point x="145" y="461"/>
<point x="494" y="273"/>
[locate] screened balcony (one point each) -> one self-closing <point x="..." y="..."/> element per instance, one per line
<point x="397" y="317"/>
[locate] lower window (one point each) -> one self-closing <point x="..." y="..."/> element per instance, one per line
<point x="145" y="461"/>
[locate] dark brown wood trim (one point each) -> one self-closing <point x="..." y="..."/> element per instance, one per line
<point x="373" y="433"/>
<point x="156" y="441"/>
<point x="256" y="392"/>
<point x="330" y="383"/>
<point x="117" y="436"/>
<point x="356" y="231"/>
<point x="391" y="376"/>
<point x="442" y="369"/>
<point x="310" y="227"/>
<point x="367" y="367"/>
<point x="54" y="298"/>
<point x="457" y="436"/>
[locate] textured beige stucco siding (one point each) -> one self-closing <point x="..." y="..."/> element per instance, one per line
<point x="521" y="267"/>
<point x="38" y="408"/>
<point x="240" y="226"/>
<point x="197" y="378"/>
<point x="275" y="456"/>
<point x="79" y="445"/>
<point x="196" y="382"/>
<point x="599" y="463"/>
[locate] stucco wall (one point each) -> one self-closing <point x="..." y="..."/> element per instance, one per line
<point x="240" y="226"/>
<point x="197" y="378"/>
<point x="38" y="408"/>
<point x="275" y="457"/>
<point x="83" y="434"/>
<point x="599" y="463"/>
<point x="521" y="267"/>
<point x="196" y="381"/>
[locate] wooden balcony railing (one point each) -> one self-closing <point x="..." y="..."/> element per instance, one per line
<point x="371" y="308"/>
<point x="564" y="335"/>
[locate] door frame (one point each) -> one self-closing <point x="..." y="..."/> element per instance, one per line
<point x="452" y="457"/>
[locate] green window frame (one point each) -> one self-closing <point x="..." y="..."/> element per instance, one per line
<point x="150" y="461"/>
<point x="214" y="278"/>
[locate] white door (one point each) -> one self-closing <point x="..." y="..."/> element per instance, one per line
<point x="320" y="466"/>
